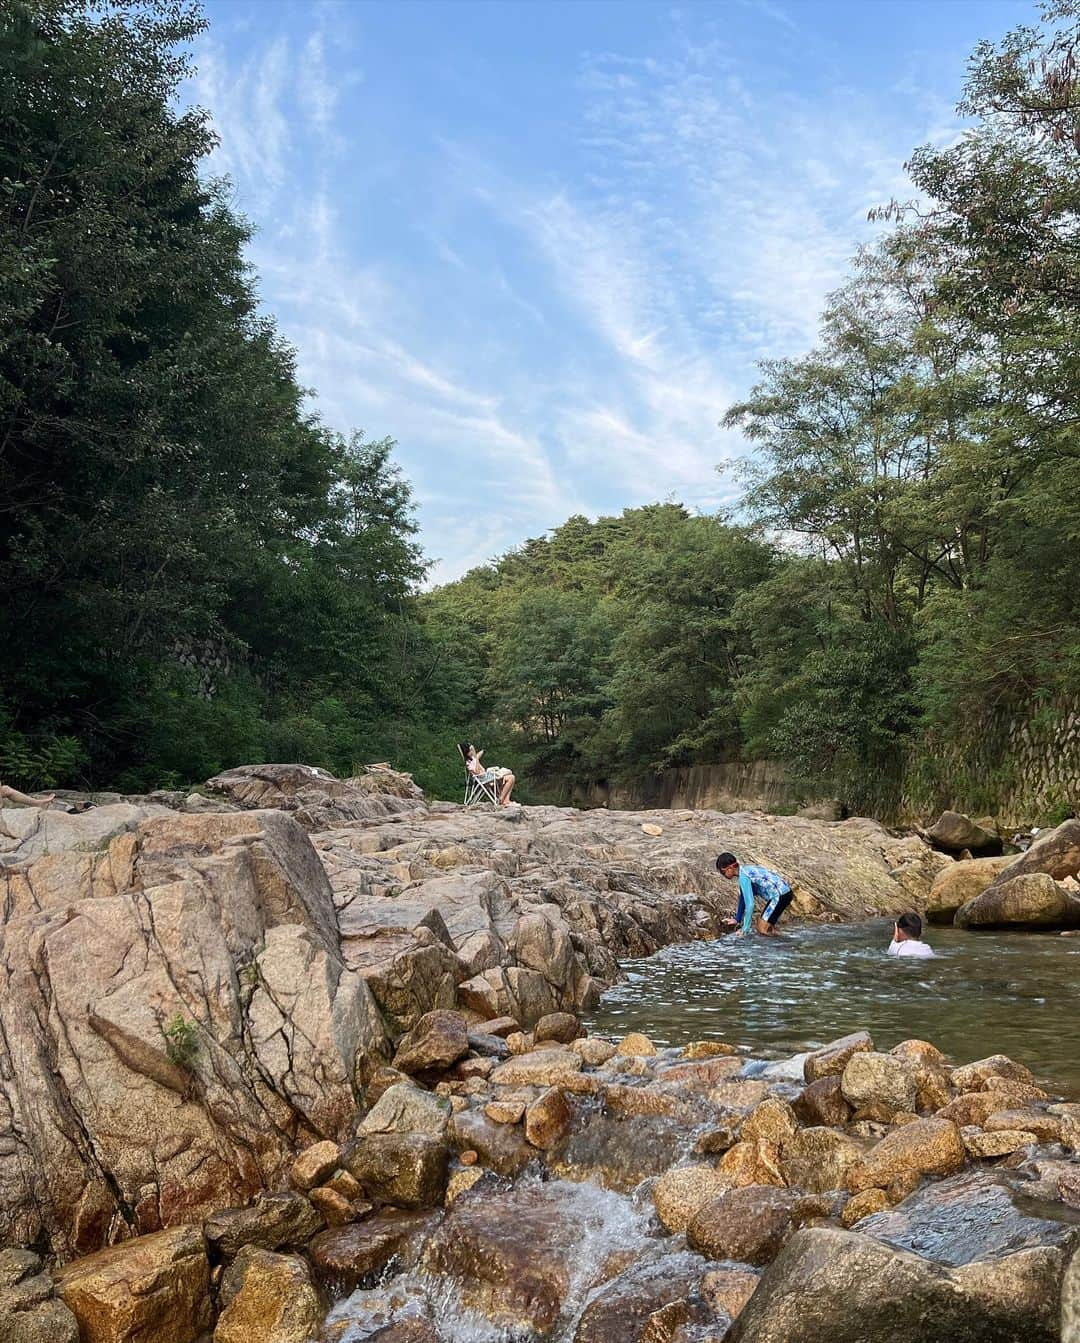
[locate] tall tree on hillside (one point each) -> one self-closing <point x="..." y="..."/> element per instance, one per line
<point x="167" y="502"/>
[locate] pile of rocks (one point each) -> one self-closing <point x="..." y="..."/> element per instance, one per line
<point x="1038" y="889"/>
<point x="848" y="1195"/>
<point x="187" y="994"/>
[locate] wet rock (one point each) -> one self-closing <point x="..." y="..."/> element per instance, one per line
<point x="269" y="1298"/>
<point x="680" y="1321"/>
<point x="406" y="1108"/>
<point x="1011" y="1092"/>
<point x="272" y="1221"/>
<point x="505" y="1111"/>
<point x="1045" y="1126"/>
<point x="831" y="1286"/>
<point x="470" y="1068"/>
<point x="974" y="1076"/>
<point x="543" y="1067"/>
<point x="960" y="882"/>
<point x="679" y="1193"/>
<point x="727" y="1290"/>
<point x="833" y="1058"/>
<point x="29" y="1309"/>
<point x="406" y="1169"/>
<point x="334" y="1208"/>
<point x="488" y="1046"/>
<point x="463" y="1180"/>
<point x="866" y="1204"/>
<point x="819" y="1160"/>
<point x="774" y="1120"/>
<point x="881" y="1080"/>
<point x="437" y="1040"/>
<point x="406" y="1331"/>
<point x="636" y="1045"/>
<point x="708" y="1049"/>
<point x="382" y="1079"/>
<point x="717" y="1140"/>
<point x="548" y="1119"/>
<point x="619" y="1153"/>
<point x="970" y="1108"/>
<point x="315" y="1165"/>
<point x="965" y="1219"/>
<point x="1070" y="1302"/>
<point x="748" y="1225"/>
<point x="513" y="1254"/>
<point x="347" y="1255"/>
<point x="1033" y="900"/>
<point x="624" y="1100"/>
<point x="593" y="1051"/>
<point x="700" y="1075"/>
<point x="621" y="1310"/>
<point x="742" y="1095"/>
<point x="562" y="1027"/>
<point x="500" y="1147"/>
<point x="986" y="1146"/>
<point x="500" y="1026"/>
<point x="822" y="1103"/>
<point x="153" y="1288"/>
<point x="955" y="832"/>
<point x="755" y="1162"/>
<point x="927" y="1147"/>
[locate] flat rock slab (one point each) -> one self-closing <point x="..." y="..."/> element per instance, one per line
<point x="969" y="1217"/>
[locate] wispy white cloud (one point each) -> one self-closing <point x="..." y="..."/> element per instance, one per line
<point x="576" y="352"/>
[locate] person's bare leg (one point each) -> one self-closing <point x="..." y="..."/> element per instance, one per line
<point x="764" y="928"/>
<point x="507" y="789"/>
<point x="13" y="795"/>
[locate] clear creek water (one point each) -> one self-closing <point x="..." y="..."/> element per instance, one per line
<point x="985" y="993"/>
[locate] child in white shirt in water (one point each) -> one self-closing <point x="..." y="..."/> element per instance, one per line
<point x="907" y="938"/>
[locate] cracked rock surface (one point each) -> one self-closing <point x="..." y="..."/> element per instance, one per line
<point x="188" y="996"/>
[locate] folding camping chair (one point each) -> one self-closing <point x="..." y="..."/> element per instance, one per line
<point x="478" y="790"/>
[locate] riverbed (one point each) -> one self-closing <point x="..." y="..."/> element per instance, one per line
<point x="984" y="993"/>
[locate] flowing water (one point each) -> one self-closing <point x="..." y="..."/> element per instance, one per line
<point x="601" y="1224"/>
<point x="985" y="993"/>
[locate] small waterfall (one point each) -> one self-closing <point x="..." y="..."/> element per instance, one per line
<point x="595" y="1234"/>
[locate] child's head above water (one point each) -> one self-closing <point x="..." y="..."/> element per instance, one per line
<point x="908" y="928"/>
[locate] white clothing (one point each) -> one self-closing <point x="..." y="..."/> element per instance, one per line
<point x="910" y="948"/>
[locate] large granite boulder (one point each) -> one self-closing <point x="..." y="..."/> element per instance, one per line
<point x="960" y="882"/>
<point x="955" y="833"/>
<point x="268" y="1298"/>
<point x="154" y="1288"/>
<point x="831" y="1286"/>
<point x="1057" y="853"/>
<point x="175" y="1017"/>
<point x="1031" y="900"/>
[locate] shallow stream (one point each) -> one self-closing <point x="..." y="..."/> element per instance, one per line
<point x="985" y="993"/>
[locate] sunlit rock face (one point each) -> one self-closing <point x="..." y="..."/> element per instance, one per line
<point x="191" y="993"/>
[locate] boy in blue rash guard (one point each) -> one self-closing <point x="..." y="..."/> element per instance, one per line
<point x="755" y="883"/>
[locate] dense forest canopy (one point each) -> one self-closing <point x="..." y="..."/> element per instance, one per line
<point x="197" y="571"/>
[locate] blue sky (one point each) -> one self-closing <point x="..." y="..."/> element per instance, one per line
<point x="542" y="245"/>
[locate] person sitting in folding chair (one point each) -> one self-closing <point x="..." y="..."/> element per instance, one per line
<point x="493" y="784"/>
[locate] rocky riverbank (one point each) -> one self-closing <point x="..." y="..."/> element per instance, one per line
<point x="500" y="1184"/>
<point x="296" y="1013"/>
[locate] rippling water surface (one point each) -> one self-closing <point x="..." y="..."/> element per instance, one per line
<point x="986" y="993"/>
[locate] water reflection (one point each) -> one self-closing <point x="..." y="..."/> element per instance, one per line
<point x="1007" y="993"/>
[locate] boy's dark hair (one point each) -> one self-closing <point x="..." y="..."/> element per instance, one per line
<point x="465" y="748"/>
<point x="725" y="860"/>
<point x="910" y="924"/>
